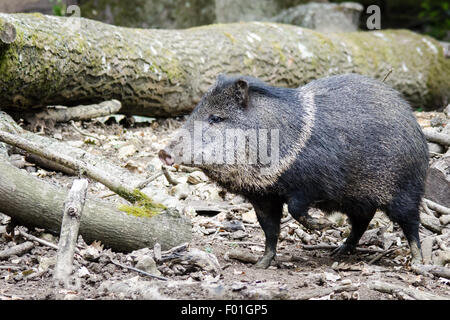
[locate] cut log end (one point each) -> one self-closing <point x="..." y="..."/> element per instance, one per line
<point x="7" y="33"/>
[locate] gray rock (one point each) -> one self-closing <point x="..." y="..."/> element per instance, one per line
<point x="434" y="147"/>
<point x="238" y="10"/>
<point x="147" y="264"/>
<point x="180" y="191"/>
<point x="90" y="254"/>
<point x="325" y="17"/>
<point x="46" y="262"/>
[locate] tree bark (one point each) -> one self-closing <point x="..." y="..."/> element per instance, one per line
<point x="35" y="203"/>
<point x="69" y="61"/>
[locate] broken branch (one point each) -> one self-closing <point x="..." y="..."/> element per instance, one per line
<point x="437" y="207"/>
<point x="437" y="137"/>
<point x="73" y="210"/>
<point x="17" y="250"/>
<point x="413" y="293"/>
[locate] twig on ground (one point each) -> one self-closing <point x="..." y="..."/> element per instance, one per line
<point x="244" y="243"/>
<point x="321" y="292"/>
<point x="437" y="207"/>
<point x="188" y="169"/>
<point x="387" y="75"/>
<point x="144" y="183"/>
<point x="15" y="268"/>
<point x="382" y="254"/>
<point x="169" y="178"/>
<point x="332" y="247"/>
<point x="437" y="271"/>
<point x="426" y="209"/>
<point x="437" y="137"/>
<point x="39" y="240"/>
<point x="72" y="123"/>
<point x="411" y="292"/>
<point x="17" y="250"/>
<point x="138" y="270"/>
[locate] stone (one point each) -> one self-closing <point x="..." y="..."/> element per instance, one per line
<point x="325" y="17"/>
<point x="147" y="264"/>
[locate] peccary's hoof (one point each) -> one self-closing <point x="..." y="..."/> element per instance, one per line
<point x="263" y="263"/>
<point x="417" y="260"/>
<point x="344" y="249"/>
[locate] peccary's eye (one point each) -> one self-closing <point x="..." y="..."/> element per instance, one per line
<point x="214" y="119"/>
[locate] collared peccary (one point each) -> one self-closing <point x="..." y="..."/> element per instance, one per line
<point x="344" y="143"/>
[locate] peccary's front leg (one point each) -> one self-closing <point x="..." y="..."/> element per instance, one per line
<point x="268" y="211"/>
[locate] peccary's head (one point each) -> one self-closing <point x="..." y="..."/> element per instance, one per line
<point x="232" y="134"/>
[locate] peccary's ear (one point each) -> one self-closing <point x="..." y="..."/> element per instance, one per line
<point x="241" y="91"/>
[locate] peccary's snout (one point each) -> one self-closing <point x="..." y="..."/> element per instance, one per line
<point x="166" y="157"/>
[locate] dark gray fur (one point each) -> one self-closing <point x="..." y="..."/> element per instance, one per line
<point x="365" y="152"/>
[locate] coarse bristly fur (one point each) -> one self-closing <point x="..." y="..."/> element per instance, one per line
<point x="347" y="143"/>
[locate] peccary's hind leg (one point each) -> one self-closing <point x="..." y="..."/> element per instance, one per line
<point x="298" y="206"/>
<point x="268" y="212"/>
<point x="359" y="219"/>
<point x="405" y="212"/>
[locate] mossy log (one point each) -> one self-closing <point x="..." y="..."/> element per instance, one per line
<point x="69" y="61"/>
<point x="36" y="203"/>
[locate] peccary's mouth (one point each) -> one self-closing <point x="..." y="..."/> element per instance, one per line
<point x="165" y="157"/>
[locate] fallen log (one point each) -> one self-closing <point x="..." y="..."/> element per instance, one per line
<point x="165" y="72"/>
<point x="34" y="203"/>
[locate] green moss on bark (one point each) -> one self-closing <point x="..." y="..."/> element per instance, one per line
<point x="142" y="206"/>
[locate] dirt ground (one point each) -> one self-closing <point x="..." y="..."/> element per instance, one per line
<point x="300" y="272"/>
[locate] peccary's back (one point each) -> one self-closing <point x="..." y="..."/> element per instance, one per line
<point x="364" y="141"/>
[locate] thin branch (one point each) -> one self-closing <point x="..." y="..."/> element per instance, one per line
<point x="168" y="176"/>
<point x="39" y="240"/>
<point x="138" y="270"/>
<point x="437" y="207"/>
